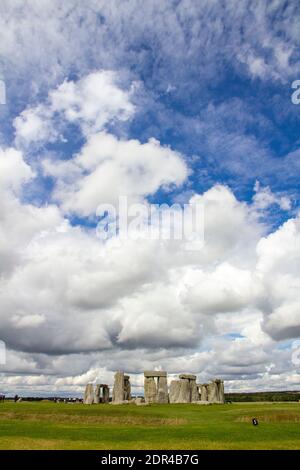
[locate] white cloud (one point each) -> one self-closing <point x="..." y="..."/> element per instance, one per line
<point x="225" y="289"/>
<point x="68" y="293"/>
<point x="264" y="198"/>
<point x="65" y="293"/>
<point x="278" y="265"/>
<point x="14" y="171"/>
<point x="90" y="103"/>
<point x="107" y="168"/>
<point x="34" y="125"/>
<point x="93" y="101"/>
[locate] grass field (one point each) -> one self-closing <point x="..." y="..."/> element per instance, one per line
<point x="46" y="425"/>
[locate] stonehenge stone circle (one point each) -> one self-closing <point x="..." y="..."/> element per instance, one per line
<point x="183" y="390"/>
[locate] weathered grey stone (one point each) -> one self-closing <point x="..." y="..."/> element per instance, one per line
<point x="127" y="388"/>
<point x="150" y="390"/>
<point x="89" y="395"/>
<point x="204" y="392"/>
<point x="194" y="391"/>
<point x="118" y="390"/>
<point x="140" y="402"/>
<point x="215" y="391"/>
<point x="187" y="376"/>
<point x="220" y="386"/>
<point x="174" y="391"/>
<point x="97" y="394"/>
<point x="222" y="392"/>
<point x="101" y="394"/>
<point x="184" y="391"/>
<point x="155" y="373"/>
<point x="212" y="392"/>
<point x="162" y="390"/>
<point x="105" y="397"/>
<point x="156" y="387"/>
<point x="122" y="388"/>
<point x="180" y="391"/>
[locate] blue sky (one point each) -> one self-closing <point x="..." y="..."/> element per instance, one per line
<point x="214" y="82"/>
<point x="211" y="82"/>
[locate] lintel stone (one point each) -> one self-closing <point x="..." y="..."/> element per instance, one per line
<point x="188" y="377"/>
<point x="155" y="373"/>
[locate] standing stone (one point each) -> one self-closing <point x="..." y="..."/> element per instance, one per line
<point x="156" y="387"/>
<point x="222" y="392"/>
<point x="162" y="390"/>
<point x="204" y="392"/>
<point x="174" y="391"/>
<point x="194" y="391"/>
<point x="220" y="387"/>
<point x="213" y="392"/>
<point x="150" y="390"/>
<point x="184" y="391"/>
<point x="97" y="396"/>
<point x="127" y="388"/>
<point x="118" y="390"/>
<point x="105" y="397"/>
<point x="89" y="394"/>
<point x="122" y="388"/>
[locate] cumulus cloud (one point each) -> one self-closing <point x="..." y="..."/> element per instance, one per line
<point x="14" y="171"/>
<point x="90" y="103"/>
<point x="278" y="263"/>
<point x="107" y="168"/>
<point x="264" y="198"/>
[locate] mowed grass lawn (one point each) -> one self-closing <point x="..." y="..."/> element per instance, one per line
<point x="48" y="425"/>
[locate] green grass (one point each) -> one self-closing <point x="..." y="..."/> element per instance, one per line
<point x="46" y="425"/>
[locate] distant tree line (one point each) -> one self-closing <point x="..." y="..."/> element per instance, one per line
<point x="263" y="396"/>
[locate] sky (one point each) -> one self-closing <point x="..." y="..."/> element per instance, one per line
<point x="161" y="102"/>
